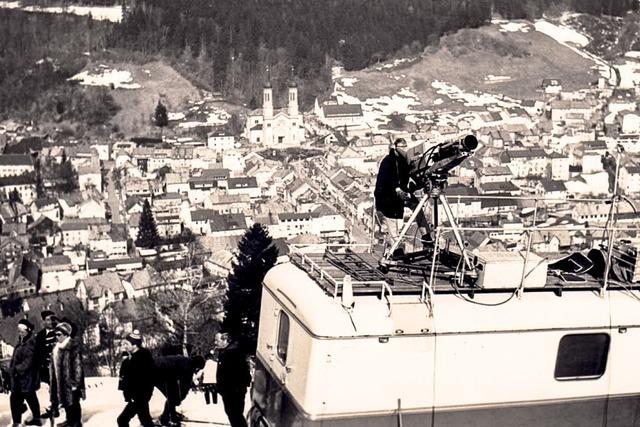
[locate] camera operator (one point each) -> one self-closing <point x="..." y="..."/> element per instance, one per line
<point x="393" y="193"/>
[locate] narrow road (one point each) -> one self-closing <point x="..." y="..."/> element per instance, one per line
<point x="113" y="196"/>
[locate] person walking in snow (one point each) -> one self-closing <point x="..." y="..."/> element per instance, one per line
<point x="137" y="382"/>
<point x="45" y="341"/>
<point x="232" y="378"/>
<point x="174" y="378"/>
<point x="67" y="376"/>
<point x="207" y="378"/>
<point x="23" y="370"/>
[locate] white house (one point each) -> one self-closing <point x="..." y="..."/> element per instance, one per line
<point x="554" y="191"/>
<point x="92" y="208"/>
<point x="57" y="274"/>
<point x="629" y="181"/>
<point x="15" y="164"/>
<point x="559" y="166"/>
<point x="337" y="115"/>
<point x="48" y="207"/>
<point x="244" y="185"/>
<point x="621" y="100"/>
<point x="74" y="233"/>
<point x="552" y="86"/>
<point x="525" y="162"/>
<point x="100" y="290"/>
<point x="631" y="123"/>
<point x="25" y="185"/>
<point x="220" y="140"/>
<point x="89" y="176"/>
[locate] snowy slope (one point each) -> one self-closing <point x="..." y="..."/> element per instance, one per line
<point x="104" y="403"/>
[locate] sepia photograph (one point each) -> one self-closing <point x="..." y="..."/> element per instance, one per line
<point x="320" y="213"/>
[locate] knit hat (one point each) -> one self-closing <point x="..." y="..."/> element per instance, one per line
<point x="134" y="337"/>
<point x="47" y="313"/>
<point x="26" y="324"/>
<point x="64" y="327"/>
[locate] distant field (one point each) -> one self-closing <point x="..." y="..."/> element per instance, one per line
<point x="467" y="57"/>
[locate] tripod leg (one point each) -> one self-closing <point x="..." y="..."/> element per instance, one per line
<point x="405" y="229"/>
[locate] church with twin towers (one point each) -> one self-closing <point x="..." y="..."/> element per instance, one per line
<point x="271" y="127"/>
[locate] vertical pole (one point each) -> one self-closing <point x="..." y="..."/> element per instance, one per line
<point x="526" y="257"/>
<point x="611" y="223"/>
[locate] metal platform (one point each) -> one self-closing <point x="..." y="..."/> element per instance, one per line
<point x="330" y="268"/>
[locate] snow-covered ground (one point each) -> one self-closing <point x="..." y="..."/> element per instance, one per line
<point x="376" y="111"/>
<point x="562" y="34"/>
<point x="512" y="26"/>
<point x="104" y="403"/>
<point x="214" y="116"/>
<point x="98" y="13"/>
<point x="629" y="68"/>
<point x="105" y="76"/>
<point x="392" y="64"/>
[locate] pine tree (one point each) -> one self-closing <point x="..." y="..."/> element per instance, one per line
<point x="160" y="116"/>
<point x="67" y="175"/>
<point x="147" y="231"/>
<point x="14" y="196"/>
<point x="257" y="254"/>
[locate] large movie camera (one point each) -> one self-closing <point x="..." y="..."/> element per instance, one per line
<point x="431" y="169"/>
<point x="428" y="178"/>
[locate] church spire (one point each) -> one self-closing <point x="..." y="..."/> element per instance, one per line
<point x="267" y="97"/>
<point x="293" y="97"/>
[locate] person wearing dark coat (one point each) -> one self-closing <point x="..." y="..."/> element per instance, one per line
<point x="23" y="370"/>
<point x="67" y="376"/>
<point x="232" y="378"/>
<point x="46" y="340"/>
<point x="393" y="191"/>
<point x="174" y="378"/>
<point x="137" y="382"/>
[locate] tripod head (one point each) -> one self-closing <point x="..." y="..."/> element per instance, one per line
<point x="431" y="170"/>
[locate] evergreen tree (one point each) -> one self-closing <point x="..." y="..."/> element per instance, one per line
<point x="147" y="231"/>
<point x="68" y="177"/>
<point x="160" y="116"/>
<point x="256" y="256"/>
<point x="14" y="196"/>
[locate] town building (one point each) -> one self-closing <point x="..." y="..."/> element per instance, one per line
<point x="276" y="128"/>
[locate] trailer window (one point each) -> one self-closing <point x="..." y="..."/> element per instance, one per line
<point x="582" y="356"/>
<point x="283" y="337"/>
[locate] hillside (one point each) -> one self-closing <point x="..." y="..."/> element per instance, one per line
<point x="487" y="60"/>
<point x="157" y="80"/>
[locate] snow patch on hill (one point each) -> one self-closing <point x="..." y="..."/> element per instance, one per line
<point x="511" y="26"/>
<point x="107" y="77"/>
<point x="98" y="13"/>
<point x="562" y="34"/>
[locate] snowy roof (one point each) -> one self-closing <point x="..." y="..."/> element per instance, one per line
<point x="98" y="284"/>
<point x="146" y="278"/>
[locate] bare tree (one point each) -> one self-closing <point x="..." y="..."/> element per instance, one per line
<point x="187" y="305"/>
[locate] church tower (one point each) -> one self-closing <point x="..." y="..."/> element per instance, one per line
<point x="267" y="100"/>
<point x="293" y="99"/>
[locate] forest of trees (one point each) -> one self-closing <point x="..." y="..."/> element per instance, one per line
<point x="227" y="45"/>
